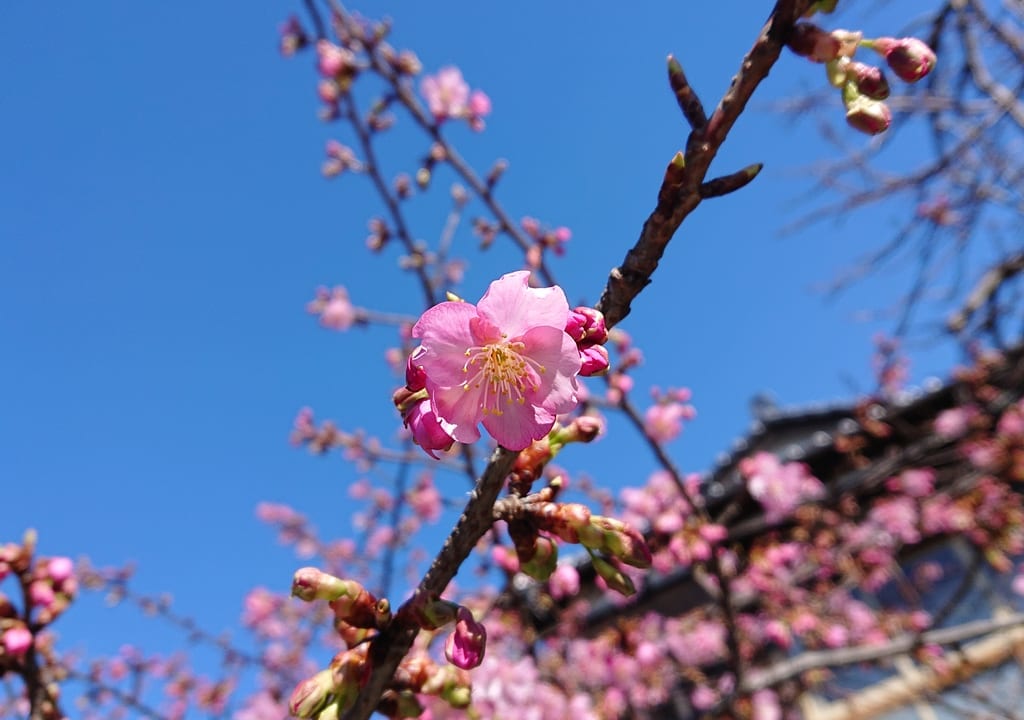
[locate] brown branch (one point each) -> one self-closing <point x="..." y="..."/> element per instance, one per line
<point x="389" y="648"/>
<point x="679" y="195"/>
<point x="985" y="290"/>
<point x="674" y="205"/>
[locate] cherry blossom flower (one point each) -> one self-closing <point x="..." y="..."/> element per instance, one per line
<point x="446" y="93"/>
<point x="779" y="488"/>
<point x="506" y="362"/>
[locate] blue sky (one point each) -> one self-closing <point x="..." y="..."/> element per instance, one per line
<point x="164" y="222"/>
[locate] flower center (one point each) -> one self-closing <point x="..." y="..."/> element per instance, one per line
<point x="500" y="370"/>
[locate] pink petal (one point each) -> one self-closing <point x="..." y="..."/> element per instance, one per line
<point x="515" y="307"/>
<point x="445" y="335"/>
<point x="557" y="352"/>
<point x="519" y="425"/>
<point x="458" y="411"/>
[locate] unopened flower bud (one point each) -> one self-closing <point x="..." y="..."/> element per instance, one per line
<point x="622" y="541"/>
<point x="615" y="578"/>
<point x="594" y="360"/>
<point x="310" y="583"/>
<point x="349" y="600"/>
<point x="16" y="640"/>
<point x="311" y="695"/>
<point x="909" y="58"/>
<point x="584" y="428"/>
<point x="41" y="593"/>
<point x="564" y="520"/>
<point x="349" y="670"/>
<point x="333" y="60"/>
<point x="864" y="114"/>
<point x="586" y="326"/>
<point x="329" y="91"/>
<point x="465" y="647"/>
<point x="544" y="560"/>
<point x="870" y="80"/>
<point x="426" y="428"/>
<point x="60" y="568"/>
<point x="415" y="377"/>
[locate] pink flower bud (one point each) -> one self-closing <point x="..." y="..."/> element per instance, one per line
<point x="60" y="568"/>
<point x="426" y="429"/>
<point x="584" y="428"/>
<point x="586" y="326"/>
<point x="909" y="58"/>
<point x="870" y="80"/>
<point x="479" y="103"/>
<point x="17" y="640"/>
<point x="310" y="584"/>
<point x="329" y="91"/>
<point x="866" y="115"/>
<point x="465" y="647"/>
<point x="41" y="594"/>
<point x="415" y="378"/>
<point x="333" y="60"/>
<point x="311" y="695"/>
<point x="594" y="360"/>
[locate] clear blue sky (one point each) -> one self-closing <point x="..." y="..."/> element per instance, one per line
<point x="163" y="223"/>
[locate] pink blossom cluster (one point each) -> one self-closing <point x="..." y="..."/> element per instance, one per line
<point x="780" y="487"/>
<point x="663" y="421"/>
<point x="544" y="239"/>
<point x="47" y="587"/>
<point x="448" y="98"/>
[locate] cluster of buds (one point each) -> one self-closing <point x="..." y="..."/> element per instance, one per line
<point x="606" y="539"/>
<point x="419" y="674"/>
<point x="358" y="615"/>
<point x="340" y="158"/>
<point x="48" y="585"/>
<point x="353" y="605"/>
<point x="864" y="87"/>
<point x="586" y="326"/>
<point x="338" y="68"/>
<point x="329" y="694"/>
<point x="293" y="37"/>
<point x="544" y="239"/>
